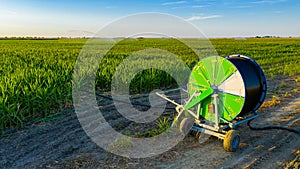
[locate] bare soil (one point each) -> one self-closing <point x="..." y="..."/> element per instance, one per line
<point x="62" y="143"/>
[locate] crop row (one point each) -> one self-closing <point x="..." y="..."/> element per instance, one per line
<point x="36" y="75"/>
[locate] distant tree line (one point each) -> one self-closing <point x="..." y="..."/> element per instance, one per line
<point x="40" y="38"/>
<point x="268" y="36"/>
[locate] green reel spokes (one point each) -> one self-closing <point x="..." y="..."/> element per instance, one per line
<point x="222" y="76"/>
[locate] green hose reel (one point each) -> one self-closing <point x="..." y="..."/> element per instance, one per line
<point x="232" y="80"/>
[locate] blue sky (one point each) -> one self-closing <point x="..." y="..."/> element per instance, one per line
<point x="222" y="18"/>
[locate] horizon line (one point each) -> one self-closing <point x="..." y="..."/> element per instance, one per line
<point x="147" y="37"/>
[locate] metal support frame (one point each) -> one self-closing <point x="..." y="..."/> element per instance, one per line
<point x="215" y="97"/>
<point x="216" y="129"/>
<point x="209" y="132"/>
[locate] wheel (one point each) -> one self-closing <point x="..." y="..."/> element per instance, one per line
<point x="231" y="141"/>
<point x="202" y="137"/>
<point x="185" y="125"/>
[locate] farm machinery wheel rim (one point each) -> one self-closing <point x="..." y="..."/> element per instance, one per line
<point x="231" y="141"/>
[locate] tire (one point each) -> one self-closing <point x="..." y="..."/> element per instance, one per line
<point x="185" y="125"/>
<point x="231" y="141"/>
<point x="202" y="137"/>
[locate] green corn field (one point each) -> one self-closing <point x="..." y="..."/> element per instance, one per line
<point x="36" y="75"/>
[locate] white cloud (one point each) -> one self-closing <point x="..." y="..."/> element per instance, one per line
<point x="187" y="7"/>
<point x="267" y="1"/>
<point x="7" y="12"/>
<point x="110" y="7"/>
<point x="198" y="6"/>
<point x="194" y="18"/>
<point x="174" y="3"/>
<point x="241" y="7"/>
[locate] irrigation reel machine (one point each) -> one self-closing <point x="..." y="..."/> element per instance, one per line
<point x="223" y="93"/>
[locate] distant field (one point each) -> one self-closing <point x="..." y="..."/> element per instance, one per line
<point x="36" y="75"/>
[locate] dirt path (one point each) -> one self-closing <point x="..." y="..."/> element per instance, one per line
<point x="63" y="144"/>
